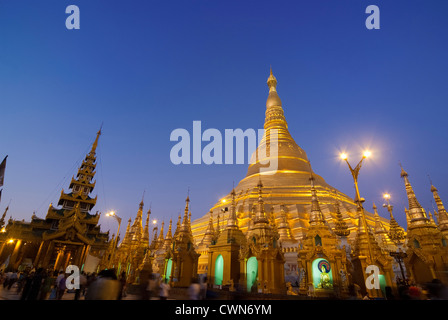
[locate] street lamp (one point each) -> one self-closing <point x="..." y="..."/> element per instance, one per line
<point x="355" y="173"/>
<point x="113" y="214"/>
<point x="359" y="200"/>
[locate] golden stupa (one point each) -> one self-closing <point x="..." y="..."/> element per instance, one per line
<point x="287" y="190"/>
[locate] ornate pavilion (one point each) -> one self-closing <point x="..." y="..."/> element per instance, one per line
<point x="69" y="234"/>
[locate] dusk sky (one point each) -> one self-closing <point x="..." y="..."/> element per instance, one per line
<point x="145" y="68"/>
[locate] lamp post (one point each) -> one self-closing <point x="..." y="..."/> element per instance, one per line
<point x="113" y="214"/>
<point x="359" y="200"/>
<point x="355" y="173"/>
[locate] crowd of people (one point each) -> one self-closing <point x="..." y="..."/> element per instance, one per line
<point x="407" y="290"/>
<point x="41" y="284"/>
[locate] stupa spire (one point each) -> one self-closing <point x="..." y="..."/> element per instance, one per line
<point x="232" y="222"/>
<point x="161" y="237"/>
<point x="154" y="242"/>
<point x="95" y="143"/>
<point x="340" y="228"/>
<point x="379" y="228"/>
<point x="210" y="232"/>
<point x="210" y="229"/>
<point x="316" y="216"/>
<point x="274" y="111"/>
<point x="178" y="225"/>
<point x="127" y="236"/>
<point x="417" y="214"/>
<point x="272" y="81"/>
<point x="186" y="210"/>
<point x="260" y="216"/>
<point x="396" y="233"/>
<point x="284" y="229"/>
<point x="169" y="235"/>
<point x="442" y="215"/>
<point x="82" y="185"/>
<point x="146" y="230"/>
<point x="137" y="226"/>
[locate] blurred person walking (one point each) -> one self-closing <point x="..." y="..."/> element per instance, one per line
<point x="203" y="294"/>
<point x="61" y="286"/>
<point x="164" y="290"/>
<point x="123" y="286"/>
<point x="82" y="285"/>
<point x="152" y="286"/>
<point x="36" y="284"/>
<point x="47" y="285"/>
<point x="105" y="287"/>
<point x="194" y="290"/>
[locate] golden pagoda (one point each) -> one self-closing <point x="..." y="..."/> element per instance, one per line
<point x="287" y="190"/>
<point x="426" y="245"/>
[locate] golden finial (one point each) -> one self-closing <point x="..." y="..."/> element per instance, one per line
<point x="143" y="197"/>
<point x="272" y="81"/>
<point x="95" y="143"/>
<point x="403" y="173"/>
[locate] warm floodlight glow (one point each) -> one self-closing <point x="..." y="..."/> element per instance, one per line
<point x="386" y="196"/>
<point x="223" y="200"/>
<point x="10" y="240"/>
<point x="343" y="156"/>
<point x="367" y="154"/>
<point x="154" y="221"/>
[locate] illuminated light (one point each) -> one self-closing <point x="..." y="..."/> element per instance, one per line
<point x="10" y="240"/>
<point x="3" y="230"/>
<point x="367" y="154"/>
<point x="223" y="201"/>
<point x="109" y="214"/>
<point x="219" y="270"/>
<point x="343" y="156"/>
<point x="386" y="196"/>
<point x="154" y="221"/>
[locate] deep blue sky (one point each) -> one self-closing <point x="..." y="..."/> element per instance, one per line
<point x="145" y="68"/>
